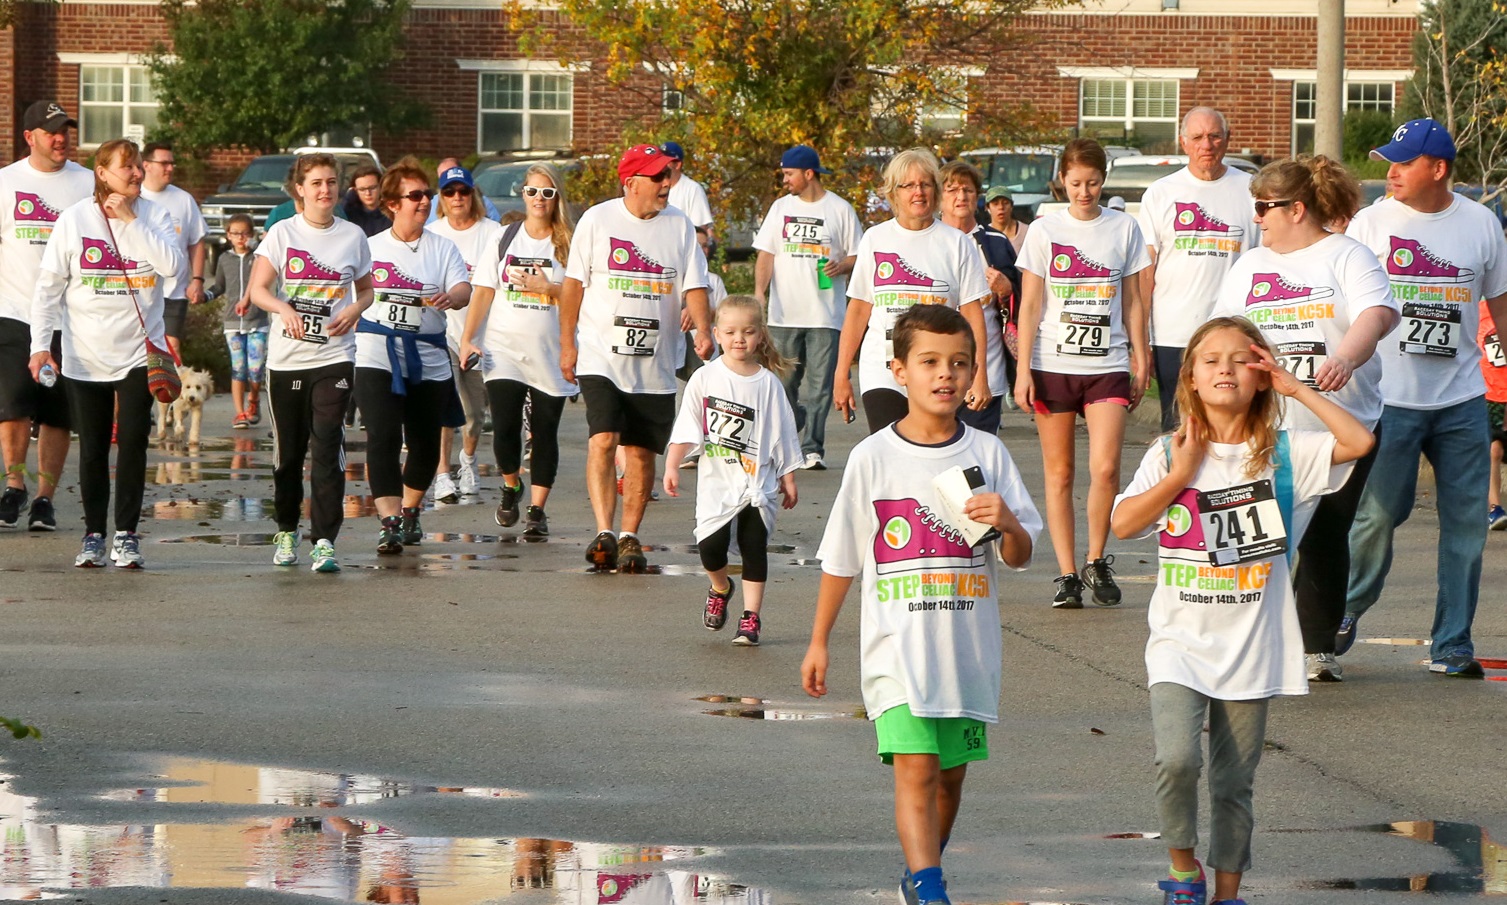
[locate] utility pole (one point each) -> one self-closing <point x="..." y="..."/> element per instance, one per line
<point x="1328" y="130"/>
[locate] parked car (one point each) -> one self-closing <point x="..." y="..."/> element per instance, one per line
<point x="1027" y="172"/>
<point x="500" y="178"/>
<point x="1130" y="175"/>
<point x="1496" y="199"/>
<point x="259" y="189"/>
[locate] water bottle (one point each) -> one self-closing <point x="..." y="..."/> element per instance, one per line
<point x="47" y="376"/>
<point x="822" y="280"/>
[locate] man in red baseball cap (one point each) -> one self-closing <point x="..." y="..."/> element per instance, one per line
<point x="632" y="263"/>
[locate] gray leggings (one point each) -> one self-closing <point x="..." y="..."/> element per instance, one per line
<point x="1237" y="731"/>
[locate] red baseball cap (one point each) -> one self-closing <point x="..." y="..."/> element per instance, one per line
<point x="642" y="160"/>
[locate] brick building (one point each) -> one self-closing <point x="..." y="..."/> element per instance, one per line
<point x="1121" y="69"/>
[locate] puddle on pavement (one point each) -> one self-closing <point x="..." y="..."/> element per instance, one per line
<point x="335" y="853"/>
<point x="1397" y="642"/>
<point x="1134" y="836"/>
<point x="1481" y="862"/>
<point x="747" y="707"/>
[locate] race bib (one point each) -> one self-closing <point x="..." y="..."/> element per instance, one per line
<point x="1303" y="360"/>
<point x="730" y="425"/>
<point x="1242" y="524"/>
<point x="315" y="314"/>
<point x="634" y="335"/>
<point x="399" y="310"/>
<point x="805" y="230"/>
<point x="1083" y="334"/>
<point x="1430" y="330"/>
<point x="1493" y="351"/>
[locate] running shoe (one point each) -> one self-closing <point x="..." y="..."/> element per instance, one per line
<point x="11" y="502"/>
<point x="1185" y="892"/>
<point x="323" y="558"/>
<point x="813" y="462"/>
<point x="1344" y="639"/>
<point x="602" y="553"/>
<point x="507" y="510"/>
<point x="444" y="488"/>
<point x="93" y="555"/>
<point x="630" y="555"/>
<point x="908" y="890"/>
<point x="1228" y="902"/>
<point x="287" y="548"/>
<point x="1460" y="666"/>
<point x="125" y="552"/>
<point x="465" y="476"/>
<point x="715" y="615"/>
<point x="388" y="540"/>
<point x="748" y="630"/>
<point x="412" y="532"/>
<point x="1496" y="518"/>
<point x="1099" y="577"/>
<point x="535" y="523"/>
<point x="41" y="517"/>
<point x="1323" y="668"/>
<point x="253" y="412"/>
<point x="1069" y="592"/>
<point x="242" y="421"/>
<point x="690" y="463"/>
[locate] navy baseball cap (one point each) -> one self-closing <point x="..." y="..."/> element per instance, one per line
<point x="1414" y="138"/>
<point x="674" y="150"/>
<point x="803" y="157"/>
<point x="456" y="174"/>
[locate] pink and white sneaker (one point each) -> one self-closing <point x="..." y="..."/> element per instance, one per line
<point x="1411" y="258"/>
<point x="892" y="270"/>
<point x="1191" y="217"/>
<point x="1272" y="287"/>
<point x="1068" y="263"/>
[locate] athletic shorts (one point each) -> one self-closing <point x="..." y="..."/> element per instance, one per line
<point x="1494" y="416"/>
<point x="174" y="316"/>
<point x="1060" y="394"/>
<point x="639" y="419"/>
<point x="21" y="397"/>
<point x="955" y="740"/>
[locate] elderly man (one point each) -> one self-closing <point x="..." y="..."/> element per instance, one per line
<point x="1196" y="222"/>
<point x="633" y="260"/>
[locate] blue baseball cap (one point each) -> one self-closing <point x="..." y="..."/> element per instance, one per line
<point x="674" y="150"/>
<point x="1414" y="138"/>
<point x="456" y="174"/>
<point x="803" y="157"/>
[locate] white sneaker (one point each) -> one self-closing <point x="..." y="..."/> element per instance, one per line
<point x="287" y="548"/>
<point x="814" y="462"/>
<point x="323" y="558"/>
<point x="1323" y="668"/>
<point x="444" y="488"/>
<point x="125" y="552"/>
<point x="466" y="475"/>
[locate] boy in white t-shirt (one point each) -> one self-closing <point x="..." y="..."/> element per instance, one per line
<point x="930" y="630"/>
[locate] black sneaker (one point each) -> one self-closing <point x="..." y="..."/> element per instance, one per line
<point x="1100" y="578"/>
<point x="10" y="506"/>
<point x="389" y="539"/>
<point x="1069" y="592"/>
<point x="630" y="556"/>
<point x="1344" y="639"/>
<point x="41" y="517"/>
<point x="507" y="510"/>
<point x="535" y="523"/>
<point x="412" y="533"/>
<point x="602" y="553"/>
<point x="715" y="614"/>
<point x="748" y="630"/>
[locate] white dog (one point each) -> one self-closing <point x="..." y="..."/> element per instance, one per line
<point x="188" y="409"/>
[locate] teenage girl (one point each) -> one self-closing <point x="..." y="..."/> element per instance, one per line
<point x="735" y="410"/>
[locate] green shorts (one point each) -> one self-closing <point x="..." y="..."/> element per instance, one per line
<point x="955" y="740"/>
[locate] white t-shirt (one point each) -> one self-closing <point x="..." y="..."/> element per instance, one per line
<point x="472" y="242"/>
<point x="898" y="268"/>
<point x="188" y="228"/>
<point x="1303" y="302"/>
<point x="316" y="271"/>
<point x="1084" y="264"/>
<point x="82" y="289"/>
<point x="30" y="203"/>
<point x="930" y="631"/>
<point x="1197" y="229"/>
<point x="522" y="339"/>
<point x="1440" y="265"/>
<point x="689" y="196"/>
<point x="803" y="236"/>
<point x="403" y="277"/>
<point x="1230" y="631"/>
<point x="745" y="430"/>
<point x="634" y="272"/>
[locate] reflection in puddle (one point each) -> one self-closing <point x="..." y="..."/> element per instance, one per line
<point x="770" y="713"/>
<point x="731" y="699"/>
<point x="1397" y="642"/>
<point x="1134" y="836"/>
<point x="332" y="854"/>
<point x="236" y="509"/>
<point x="1482" y="862"/>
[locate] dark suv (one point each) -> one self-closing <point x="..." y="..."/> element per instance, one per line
<point x="259" y="189"/>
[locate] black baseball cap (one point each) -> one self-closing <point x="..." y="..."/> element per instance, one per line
<point x="47" y="115"/>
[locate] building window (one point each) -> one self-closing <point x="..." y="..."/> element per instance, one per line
<point x="115" y="102"/>
<point x="1358" y="96"/>
<point x="1141" y="113"/>
<point x="673" y="101"/>
<point x="524" y="110"/>
<point x="902" y="114"/>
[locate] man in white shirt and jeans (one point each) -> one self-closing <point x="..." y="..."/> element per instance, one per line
<point x="1443" y="253"/>
<point x="686" y="194"/>
<point x="187" y="286"/>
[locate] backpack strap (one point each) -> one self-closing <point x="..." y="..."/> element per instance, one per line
<point x="1283" y="483"/>
<point x="509" y="233"/>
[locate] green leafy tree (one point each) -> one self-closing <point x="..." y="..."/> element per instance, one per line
<point x="10" y="9"/>
<point x="1460" y="79"/>
<point x="264" y="74"/>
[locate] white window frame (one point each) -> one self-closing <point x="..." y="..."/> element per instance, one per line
<point x="1357" y="77"/>
<point x="131" y="67"/>
<point x="1128" y="120"/>
<point x="529" y="69"/>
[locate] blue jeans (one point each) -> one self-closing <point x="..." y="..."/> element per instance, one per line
<point x="1456" y="442"/>
<point x="809" y="386"/>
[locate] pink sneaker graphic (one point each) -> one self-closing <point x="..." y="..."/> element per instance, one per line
<point x="1183" y="531"/>
<point x="98" y="255"/>
<point x="628" y="257"/>
<point x="1411" y="258"/>
<point x="33" y="209"/>
<point x="388" y="276"/>
<point x="1271" y="287"/>
<point x="911" y="536"/>
<point x="1193" y="218"/>
<point x="1069" y="263"/>
<point x="303" y="267"/>
<point x="892" y="270"/>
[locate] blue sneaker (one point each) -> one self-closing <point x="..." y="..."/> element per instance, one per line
<point x="1344" y="639"/>
<point x="1185" y="892"/>
<point x="908" y="890"/>
<point x="1496" y="518"/>
<point x="1460" y="666"/>
<point x="1228" y="902"/>
<point x="93" y="555"/>
<point x="323" y="558"/>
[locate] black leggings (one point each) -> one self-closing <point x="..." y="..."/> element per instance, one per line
<point x="390" y="419"/>
<point x="94" y="414"/>
<point x="1322" y="578"/>
<point x="752" y="543"/>
<point x="308" y="418"/>
<point x="507" y="398"/>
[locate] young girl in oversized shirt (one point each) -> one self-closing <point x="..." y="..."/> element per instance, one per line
<point x="1231" y="496"/>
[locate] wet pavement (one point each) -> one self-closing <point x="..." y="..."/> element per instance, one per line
<point x="479" y="719"/>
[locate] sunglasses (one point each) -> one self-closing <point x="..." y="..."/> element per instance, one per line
<point x="418" y="195"/>
<point x="661" y="176"/>
<point x="1263" y="206"/>
<point x="540" y="191"/>
<point x="451" y="191"/>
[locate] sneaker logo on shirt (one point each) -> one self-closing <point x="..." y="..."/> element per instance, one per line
<point x="33" y="208"/>
<point x="303" y="266"/>
<point x="1070" y="263"/>
<point x="636" y="275"/>
<point x="1415" y="265"/>
<point x="1283" y="302"/>
<point x="386" y="275"/>
<point x="912" y="536"/>
<point x="1200" y="233"/>
<point x="899" y="284"/>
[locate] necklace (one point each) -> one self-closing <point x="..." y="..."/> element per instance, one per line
<point x="413" y="246"/>
<point x="325" y="225"/>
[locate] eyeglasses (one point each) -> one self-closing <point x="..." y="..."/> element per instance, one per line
<point x="239" y="233"/>
<point x="542" y="191"/>
<point x="450" y="191"/>
<point x="661" y="176"/>
<point x="418" y="195"/>
<point x="914" y="186"/>
<point x="163" y="163"/>
<point x="367" y="189"/>
<point x="1263" y="206"/>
